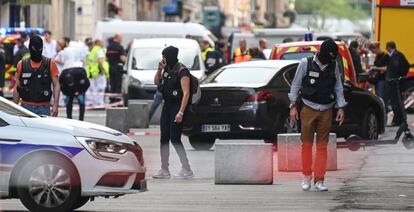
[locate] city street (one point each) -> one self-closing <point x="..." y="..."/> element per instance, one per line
<point x="377" y="178"/>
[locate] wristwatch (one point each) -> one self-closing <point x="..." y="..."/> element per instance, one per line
<point x="180" y="113"/>
<point x="292" y="104"/>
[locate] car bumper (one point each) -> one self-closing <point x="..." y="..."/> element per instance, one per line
<point x="110" y="178"/>
<point x="257" y="124"/>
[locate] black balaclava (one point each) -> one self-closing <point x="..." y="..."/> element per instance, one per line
<point x="328" y="52"/>
<point x="170" y="54"/>
<point x="36" y="48"/>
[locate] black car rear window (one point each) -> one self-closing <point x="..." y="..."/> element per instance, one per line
<point x="249" y="75"/>
<point x="296" y="55"/>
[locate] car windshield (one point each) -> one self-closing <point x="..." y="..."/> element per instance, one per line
<point x="148" y="58"/>
<point x="237" y="75"/>
<point x="296" y="55"/>
<point x="10" y="108"/>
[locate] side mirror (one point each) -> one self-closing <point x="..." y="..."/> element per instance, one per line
<point x="362" y="77"/>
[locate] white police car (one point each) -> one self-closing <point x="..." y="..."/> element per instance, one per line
<point x="56" y="164"/>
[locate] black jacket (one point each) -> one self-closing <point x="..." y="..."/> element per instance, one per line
<point x="2" y="67"/>
<point x="214" y="60"/>
<point x="397" y="65"/>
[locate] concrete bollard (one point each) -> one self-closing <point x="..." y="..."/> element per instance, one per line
<point x="137" y="115"/>
<point x="243" y="164"/>
<point x="289" y="152"/>
<point x="116" y="118"/>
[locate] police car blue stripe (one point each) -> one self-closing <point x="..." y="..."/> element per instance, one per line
<point x="10" y="153"/>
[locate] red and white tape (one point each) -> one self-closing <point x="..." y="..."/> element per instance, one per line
<point x="144" y="133"/>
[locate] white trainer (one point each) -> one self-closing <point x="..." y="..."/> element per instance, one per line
<point x="320" y="186"/>
<point x="184" y="174"/>
<point x="306" y="183"/>
<point x="162" y="174"/>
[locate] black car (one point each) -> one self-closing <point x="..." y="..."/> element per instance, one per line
<point x="250" y="101"/>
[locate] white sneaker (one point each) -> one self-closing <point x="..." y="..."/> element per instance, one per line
<point x="306" y="183"/>
<point x="162" y="174"/>
<point x="184" y="174"/>
<point x="320" y="186"/>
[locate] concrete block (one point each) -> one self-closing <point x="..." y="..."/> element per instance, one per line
<point x="289" y="152"/>
<point x="157" y="115"/>
<point x="116" y="118"/>
<point x="137" y="114"/>
<point x="243" y="163"/>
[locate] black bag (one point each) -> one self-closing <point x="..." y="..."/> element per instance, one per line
<point x="373" y="76"/>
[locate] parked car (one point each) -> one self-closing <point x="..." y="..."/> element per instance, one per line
<point x="143" y="63"/>
<point x="56" y="164"/>
<point x="250" y="100"/>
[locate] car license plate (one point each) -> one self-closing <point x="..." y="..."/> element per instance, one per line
<point x="215" y="128"/>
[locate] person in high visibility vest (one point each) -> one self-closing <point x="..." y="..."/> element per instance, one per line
<point x="242" y="53"/>
<point x="97" y="69"/>
<point x="213" y="58"/>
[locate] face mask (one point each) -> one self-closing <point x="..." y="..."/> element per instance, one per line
<point x="170" y="54"/>
<point x="36" y="48"/>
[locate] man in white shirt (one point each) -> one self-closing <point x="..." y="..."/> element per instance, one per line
<point x="49" y="45"/>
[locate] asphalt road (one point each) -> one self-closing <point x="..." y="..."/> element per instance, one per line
<point x="375" y="179"/>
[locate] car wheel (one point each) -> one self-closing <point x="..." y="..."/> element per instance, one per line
<point x="201" y="142"/>
<point x="370" y="125"/>
<point x="407" y="93"/>
<point x="80" y="202"/>
<point x="48" y="184"/>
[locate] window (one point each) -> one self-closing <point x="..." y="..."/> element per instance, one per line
<point x="10" y="108"/>
<point x="237" y="75"/>
<point x="3" y="123"/>
<point x="297" y="55"/>
<point x="147" y="58"/>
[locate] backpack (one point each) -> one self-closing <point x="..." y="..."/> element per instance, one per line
<point x="195" y="90"/>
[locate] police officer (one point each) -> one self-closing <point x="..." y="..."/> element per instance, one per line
<point x="34" y="78"/>
<point x="116" y="58"/>
<point x="320" y="84"/>
<point x="174" y="79"/>
<point x="214" y="59"/>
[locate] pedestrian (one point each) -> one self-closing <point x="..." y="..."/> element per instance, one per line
<point x="319" y="81"/>
<point x="34" y="79"/>
<point x="97" y="71"/>
<point x="377" y="72"/>
<point x="356" y="58"/>
<point x="49" y="45"/>
<point x="397" y="68"/>
<point x="256" y="54"/>
<point x="22" y="52"/>
<point x="75" y="83"/>
<point x="242" y="53"/>
<point x="262" y="47"/>
<point x="174" y="79"/>
<point x="2" y="68"/>
<point x="214" y="59"/>
<point x="116" y="59"/>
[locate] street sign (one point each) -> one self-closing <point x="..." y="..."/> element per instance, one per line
<point x="211" y="16"/>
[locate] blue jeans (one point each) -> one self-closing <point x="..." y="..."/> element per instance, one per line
<point x="69" y="106"/>
<point x="157" y="101"/>
<point x="382" y="91"/>
<point x="39" y="110"/>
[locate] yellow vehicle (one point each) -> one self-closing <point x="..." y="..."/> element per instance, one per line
<point x="394" y="21"/>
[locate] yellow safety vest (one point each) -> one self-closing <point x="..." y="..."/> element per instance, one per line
<point x="92" y="64"/>
<point x="205" y="52"/>
<point x="239" y="57"/>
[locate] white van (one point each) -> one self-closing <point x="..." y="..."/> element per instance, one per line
<point x="143" y="61"/>
<point x="131" y="30"/>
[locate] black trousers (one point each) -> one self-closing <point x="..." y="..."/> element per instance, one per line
<point x="170" y="130"/>
<point x="69" y="106"/>
<point x="400" y="116"/>
<point x="115" y="80"/>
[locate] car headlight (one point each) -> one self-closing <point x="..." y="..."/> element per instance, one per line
<point x="134" y="82"/>
<point x="97" y="146"/>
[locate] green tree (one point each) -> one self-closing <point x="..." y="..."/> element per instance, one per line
<point x="340" y="9"/>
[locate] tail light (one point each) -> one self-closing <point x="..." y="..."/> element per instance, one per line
<point x="253" y="100"/>
<point x="260" y="96"/>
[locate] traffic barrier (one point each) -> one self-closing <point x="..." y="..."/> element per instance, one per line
<point x="137" y="114"/>
<point x="243" y="164"/>
<point x="289" y="152"/>
<point x="116" y="118"/>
